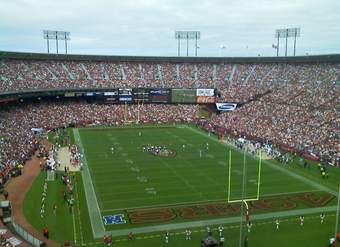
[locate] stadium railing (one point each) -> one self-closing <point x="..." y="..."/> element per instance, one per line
<point x="26" y="236"/>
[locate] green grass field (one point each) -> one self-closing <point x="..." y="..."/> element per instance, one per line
<point x="187" y="188"/>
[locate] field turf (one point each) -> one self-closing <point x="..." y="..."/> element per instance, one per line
<point x="127" y="179"/>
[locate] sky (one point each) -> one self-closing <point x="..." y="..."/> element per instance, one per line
<point x="147" y="27"/>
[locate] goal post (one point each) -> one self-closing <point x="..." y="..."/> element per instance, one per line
<point x="244" y="198"/>
<point x="258" y="183"/>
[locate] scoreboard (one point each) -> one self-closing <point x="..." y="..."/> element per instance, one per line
<point x="160" y="95"/>
<point x="183" y="96"/>
<point x="125" y="94"/>
<point x="149" y="95"/>
<point x="140" y="95"/>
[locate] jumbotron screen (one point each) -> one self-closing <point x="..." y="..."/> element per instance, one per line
<point x="183" y="96"/>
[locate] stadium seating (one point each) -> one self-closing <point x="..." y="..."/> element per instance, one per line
<point x="298" y="108"/>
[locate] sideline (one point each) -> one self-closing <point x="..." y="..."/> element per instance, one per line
<point x="279" y="168"/>
<point x="200" y="230"/>
<point x="229" y="220"/>
<point x="98" y="229"/>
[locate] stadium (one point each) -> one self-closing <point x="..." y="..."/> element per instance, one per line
<point x="179" y="151"/>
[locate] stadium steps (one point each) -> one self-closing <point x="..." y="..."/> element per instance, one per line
<point x="232" y="74"/>
<point x="70" y="75"/>
<point x="88" y="76"/>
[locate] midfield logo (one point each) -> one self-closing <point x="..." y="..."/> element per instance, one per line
<point x="114" y="219"/>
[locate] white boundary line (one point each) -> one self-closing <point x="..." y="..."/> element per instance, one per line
<point x="218" y="221"/>
<point x="203" y="201"/>
<point x="79" y="217"/>
<point x="183" y="225"/>
<point x="282" y="169"/>
<point x="98" y="229"/>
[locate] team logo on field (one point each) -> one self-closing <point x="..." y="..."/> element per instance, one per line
<point x="114" y="219"/>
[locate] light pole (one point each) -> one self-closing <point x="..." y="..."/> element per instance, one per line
<point x="56" y="35"/>
<point x="287" y="33"/>
<point x="187" y="35"/>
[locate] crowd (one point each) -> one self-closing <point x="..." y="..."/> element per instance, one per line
<point x="301" y="117"/>
<point x="235" y="82"/>
<point x="16" y="122"/>
<point x="291" y="105"/>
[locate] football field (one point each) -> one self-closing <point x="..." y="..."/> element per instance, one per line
<point x="129" y="185"/>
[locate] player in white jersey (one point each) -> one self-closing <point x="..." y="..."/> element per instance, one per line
<point x="187" y="234"/>
<point x="277" y="222"/>
<point x="167" y="237"/>
<point x="220" y="229"/>
<point x="112" y="149"/>
<point x="200" y="153"/>
<point x="322" y="217"/>
<point x="249" y="225"/>
<point x="302" y="219"/>
<point x="207" y="146"/>
<point x="183" y="147"/>
<point x="208" y="230"/>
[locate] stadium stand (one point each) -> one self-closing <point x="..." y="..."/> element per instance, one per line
<point x="297" y="111"/>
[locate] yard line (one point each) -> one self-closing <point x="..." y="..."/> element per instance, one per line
<point x="186" y="182"/>
<point x="301" y="178"/>
<point x="198" y="170"/>
<point x="201" y="223"/>
<point x="74" y="228"/>
<point x="98" y="229"/>
<point x="279" y="168"/>
<point x="200" y="202"/>
<point x="79" y="218"/>
<point x="214" y="229"/>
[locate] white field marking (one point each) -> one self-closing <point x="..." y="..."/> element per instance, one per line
<point x="199" y="171"/>
<point x="151" y="190"/>
<point x="186" y="182"/>
<point x="218" y="221"/>
<point x="222" y="163"/>
<point x="253" y="181"/>
<point x="74" y="227"/>
<point x="199" y="202"/>
<point x="297" y="176"/>
<point x="79" y="218"/>
<point x="96" y="221"/>
<point x="143" y="199"/>
<point x="227" y="227"/>
<point x="142" y="179"/>
<point x="236" y="171"/>
<point x="135" y="187"/>
<point x="163" y="205"/>
<point x="173" y="188"/>
<point x="202" y="173"/>
<point x="210" y="156"/>
<point x="135" y="169"/>
<point x="129" y="161"/>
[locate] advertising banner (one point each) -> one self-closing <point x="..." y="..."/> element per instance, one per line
<point x="158" y="95"/>
<point x="226" y="106"/>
